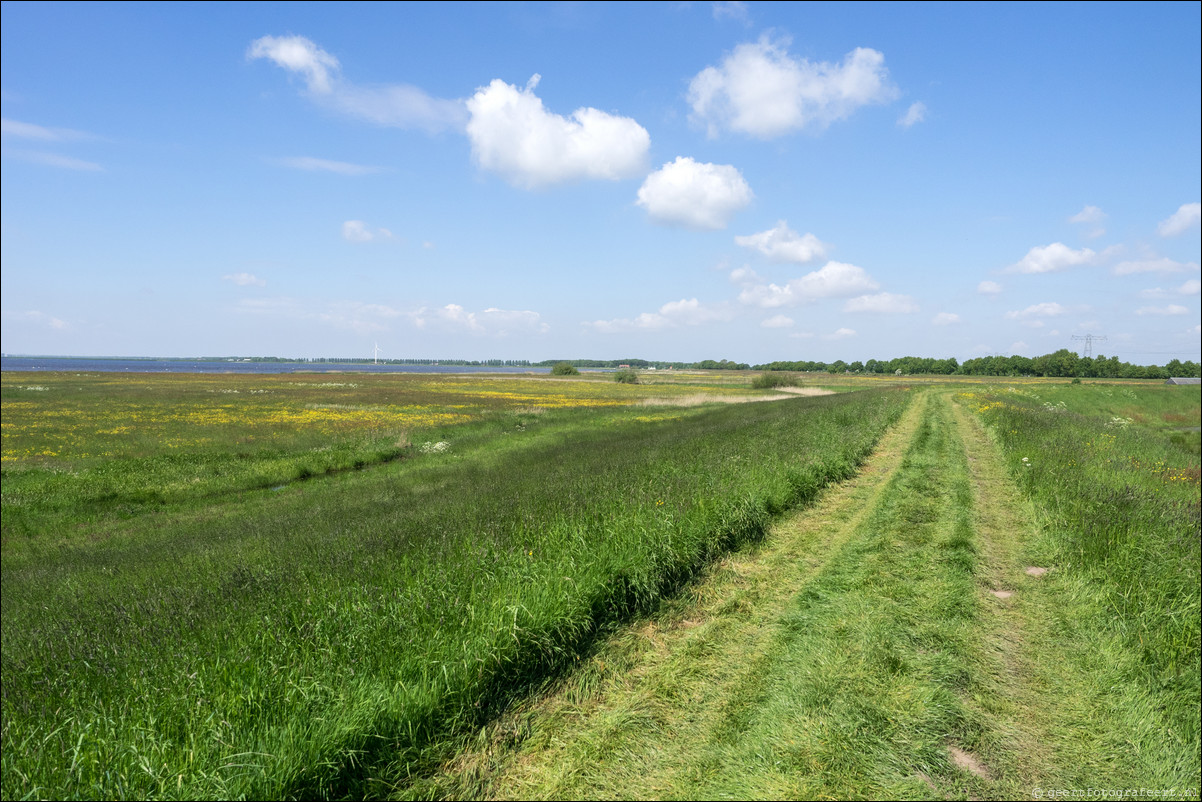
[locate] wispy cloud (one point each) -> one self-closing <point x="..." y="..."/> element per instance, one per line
<point x="945" y="319"/>
<point x="989" y="288"/>
<point x="245" y="280"/>
<point x="19" y="130"/>
<point x="1171" y="309"/>
<point x="328" y="166"/>
<point x="396" y="105"/>
<point x="1152" y="265"/>
<point x="54" y="160"/>
<point x="914" y="115"/>
<point x="1093" y="218"/>
<point x="491" y="322"/>
<point x="359" y="231"/>
<point x="685" y="312"/>
<point x="885" y="303"/>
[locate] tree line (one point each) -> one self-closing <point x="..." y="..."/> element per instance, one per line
<point x="1061" y="364"/>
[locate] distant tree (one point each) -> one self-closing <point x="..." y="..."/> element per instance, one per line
<point x="626" y="376"/>
<point x="564" y="369"/>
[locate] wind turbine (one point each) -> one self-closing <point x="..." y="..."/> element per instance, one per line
<point x="375" y="357"/>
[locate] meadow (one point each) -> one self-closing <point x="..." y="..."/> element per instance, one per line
<point x="276" y="586"/>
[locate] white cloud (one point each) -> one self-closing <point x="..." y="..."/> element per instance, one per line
<point x="1182" y="220"/>
<point x="915" y="114"/>
<point x="945" y="319"/>
<point x="840" y="334"/>
<point x="245" y="280"/>
<point x="989" y="288"/>
<point x="1093" y="217"/>
<point x="744" y="275"/>
<point x="490" y="322"/>
<point x="778" y="322"/>
<point x="1171" y="309"/>
<point x="358" y="317"/>
<point x="761" y="90"/>
<point x="359" y="231"/>
<point x="685" y="312"/>
<point x="513" y="135"/>
<point x="1051" y="258"/>
<point x="397" y="105"/>
<point x="1161" y="265"/>
<point x="328" y="166"/>
<point x="20" y="130"/>
<point x="42" y="319"/>
<point x="1046" y="309"/>
<point x="1191" y="287"/>
<point x="55" y="160"/>
<point x="833" y="280"/>
<point x="782" y="244"/>
<point x="731" y="9"/>
<point x="694" y="194"/>
<point x="882" y="303"/>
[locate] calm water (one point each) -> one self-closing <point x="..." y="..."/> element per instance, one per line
<point x="85" y="365"/>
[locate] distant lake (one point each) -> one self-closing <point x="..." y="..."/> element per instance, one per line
<point x="86" y="365"/>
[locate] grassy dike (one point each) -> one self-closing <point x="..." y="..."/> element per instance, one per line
<point x="924" y="631"/>
<point x="326" y="640"/>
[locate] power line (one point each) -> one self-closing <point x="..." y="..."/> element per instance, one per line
<point x="1089" y="341"/>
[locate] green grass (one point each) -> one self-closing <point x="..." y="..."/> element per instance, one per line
<point x="327" y="638"/>
<point x="1119" y="506"/>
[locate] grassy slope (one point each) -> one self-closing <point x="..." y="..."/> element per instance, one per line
<point x="323" y="640"/>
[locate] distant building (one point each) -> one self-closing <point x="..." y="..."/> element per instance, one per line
<point x="1179" y="380"/>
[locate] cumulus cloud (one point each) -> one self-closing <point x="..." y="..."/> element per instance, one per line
<point x="1191" y="287"/>
<point x="782" y="244"/>
<point x="1171" y="309"/>
<point x="1182" y="220"/>
<point x="833" y="280"/>
<point x="945" y="319"/>
<point x="1093" y="217"/>
<point x="685" y="312"/>
<point x="490" y="322"/>
<point x="761" y="90"/>
<point x="328" y="166"/>
<point x="915" y="114"/>
<point x="1051" y="258"/>
<point x="512" y="134"/>
<point x="989" y="288"/>
<point x="245" y="280"/>
<point x="778" y="322"/>
<point x="882" y="303"/>
<point x="359" y="231"/>
<point x="694" y="194"/>
<point x="1159" y="265"/>
<point x="840" y="334"/>
<point x="396" y="105"/>
<point x="1047" y="309"/>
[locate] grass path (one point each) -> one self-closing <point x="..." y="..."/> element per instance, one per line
<point x="899" y="639"/>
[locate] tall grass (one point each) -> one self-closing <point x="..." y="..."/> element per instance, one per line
<point x="1120" y="501"/>
<point x="323" y="640"/>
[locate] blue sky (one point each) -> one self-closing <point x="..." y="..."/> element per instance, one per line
<point x="676" y="181"/>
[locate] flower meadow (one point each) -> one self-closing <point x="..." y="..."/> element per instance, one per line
<point x="269" y="587"/>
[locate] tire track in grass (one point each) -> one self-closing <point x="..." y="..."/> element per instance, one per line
<point x="614" y="726"/>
